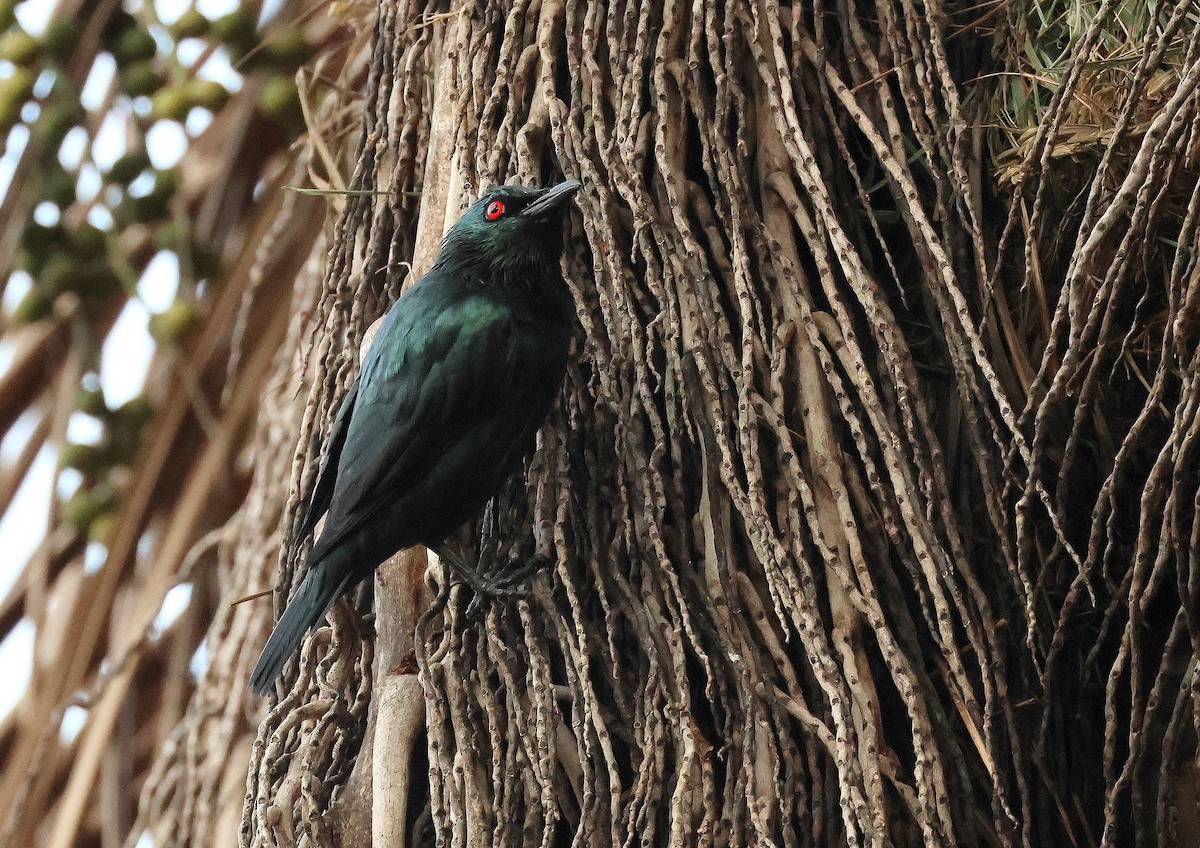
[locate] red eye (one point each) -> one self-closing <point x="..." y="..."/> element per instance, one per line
<point x="495" y="210"/>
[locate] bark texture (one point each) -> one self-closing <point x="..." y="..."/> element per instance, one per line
<point x="871" y="495"/>
<point x="819" y="518"/>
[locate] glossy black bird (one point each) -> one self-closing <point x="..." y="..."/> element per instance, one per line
<point x="450" y="396"/>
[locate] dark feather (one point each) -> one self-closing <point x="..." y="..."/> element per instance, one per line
<point x="441" y="404"/>
<point x="320" y="587"/>
<point x="323" y="490"/>
<point x="457" y="381"/>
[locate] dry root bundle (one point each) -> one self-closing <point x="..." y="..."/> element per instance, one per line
<point x="840" y="555"/>
<point x="871" y="497"/>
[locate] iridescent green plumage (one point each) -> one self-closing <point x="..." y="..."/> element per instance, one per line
<point x="456" y="383"/>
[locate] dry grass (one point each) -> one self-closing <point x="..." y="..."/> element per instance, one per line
<point x="1042" y="44"/>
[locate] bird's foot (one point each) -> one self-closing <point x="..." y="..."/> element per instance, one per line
<point x="502" y="583"/>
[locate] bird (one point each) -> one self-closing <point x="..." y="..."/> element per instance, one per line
<point x="449" y="398"/>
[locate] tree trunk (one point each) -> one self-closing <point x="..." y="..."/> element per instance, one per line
<point x="871" y="494"/>
<point x="817" y="510"/>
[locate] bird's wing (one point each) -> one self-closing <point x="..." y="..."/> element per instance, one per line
<point x="322" y="492"/>
<point x="440" y="390"/>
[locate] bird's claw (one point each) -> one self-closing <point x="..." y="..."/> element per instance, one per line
<point x="502" y="583"/>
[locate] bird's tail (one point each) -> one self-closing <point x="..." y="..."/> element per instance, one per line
<point x="323" y="583"/>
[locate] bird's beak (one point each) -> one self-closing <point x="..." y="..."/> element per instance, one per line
<point x="552" y="200"/>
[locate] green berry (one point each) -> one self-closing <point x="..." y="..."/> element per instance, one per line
<point x="134" y="413"/>
<point x="166" y="183"/>
<point x="191" y="24"/>
<point x="88" y="241"/>
<point x="125" y="428"/>
<point x="141" y="79"/>
<point x="90" y="459"/>
<point x="119" y="23"/>
<point x="55" y="122"/>
<point x="86" y="505"/>
<point x="60" y="39"/>
<point x="288" y="50"/>
<point x="209" y="94"/>
<point x="127" y="168"/>
<point x="278" y="97"/>
<point x="15" y="91"/>
<point x="141" y="210"/>
<point x="34" y="306"/>
<point x="91" y="401"/>
<point x="39" y="239"/>
<point x="102" y="528"/>
<point x="59" y="188"/>
<point x="38" y="243"/>
<point x="8" y="13"/>
<point x="236" y="29"/>
<point x="92" y="280"/>
<point x="170" y="104"/>
<point x="168" y="327"/>
<point x="18" y="86"/>
<point x="19" y="47"/>
<point x="134" y="45"/>
<point x="59" y="274"/>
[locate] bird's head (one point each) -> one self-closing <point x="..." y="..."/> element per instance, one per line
<point x="511" y="230"/>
